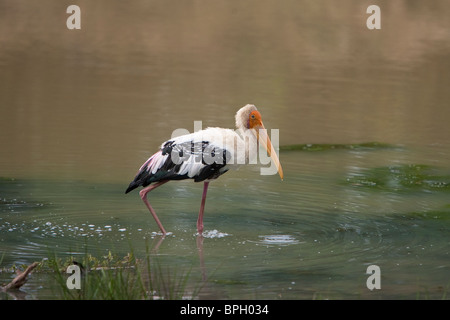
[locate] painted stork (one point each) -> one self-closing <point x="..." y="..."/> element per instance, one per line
<point x="204" y="156"/>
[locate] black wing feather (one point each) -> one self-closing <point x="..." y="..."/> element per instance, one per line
<point x="170" y="170"/>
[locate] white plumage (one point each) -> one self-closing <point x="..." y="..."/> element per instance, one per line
<point x="204" y="156"/>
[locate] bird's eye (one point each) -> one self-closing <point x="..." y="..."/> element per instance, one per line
<point x="252" y="116"/>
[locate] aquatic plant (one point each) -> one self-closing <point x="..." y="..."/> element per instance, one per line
<point x="329" y="146"/>
<point x="127" y="278"/>
<point x="405" y="177"/>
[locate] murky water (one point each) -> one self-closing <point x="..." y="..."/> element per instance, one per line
<point x="82" y="110"/>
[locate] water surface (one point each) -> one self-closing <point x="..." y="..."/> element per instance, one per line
<point x="82" y="110"/>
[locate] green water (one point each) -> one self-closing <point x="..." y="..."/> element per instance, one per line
<point x="311" y="236"/>
<point x="363" y="122"/>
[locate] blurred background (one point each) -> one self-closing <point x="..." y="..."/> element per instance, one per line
<point x="96" y="102"/>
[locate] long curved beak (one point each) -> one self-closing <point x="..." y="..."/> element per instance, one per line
<point x="263" y="138"/>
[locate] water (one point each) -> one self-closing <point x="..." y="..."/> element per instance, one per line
<point x="82" y="110"/>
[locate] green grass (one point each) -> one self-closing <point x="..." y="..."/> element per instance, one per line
<point x="111" y="277"/>
<point x="127" y="278"/>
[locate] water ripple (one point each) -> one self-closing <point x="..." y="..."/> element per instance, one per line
<point x="278" y="239"/>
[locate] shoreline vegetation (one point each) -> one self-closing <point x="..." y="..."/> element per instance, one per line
<point x="328" y="146"/>
<point x="108" y="277"/>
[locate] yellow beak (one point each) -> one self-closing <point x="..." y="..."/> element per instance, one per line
<point x="264" y="139"/>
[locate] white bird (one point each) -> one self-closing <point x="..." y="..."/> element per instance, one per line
<point x="204" y="156"/>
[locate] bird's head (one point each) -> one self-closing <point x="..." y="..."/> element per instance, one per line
<point x="249" y="118"/>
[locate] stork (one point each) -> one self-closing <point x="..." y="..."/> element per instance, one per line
<point x="204" y="156"/>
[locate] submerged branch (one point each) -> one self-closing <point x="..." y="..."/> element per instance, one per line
<point x="20" y="279"/>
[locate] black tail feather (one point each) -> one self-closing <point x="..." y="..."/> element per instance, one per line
<point x="142" y="178"/>
<point x="139" y="180"/>
<point x="133" y="185"/>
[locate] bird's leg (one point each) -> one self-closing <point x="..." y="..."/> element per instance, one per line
<point x="202" y="208"/>
<point x="143" y="194"/>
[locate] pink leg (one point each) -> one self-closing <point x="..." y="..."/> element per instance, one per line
<point x="202" y="208"/>
<point x="143" y="194"/>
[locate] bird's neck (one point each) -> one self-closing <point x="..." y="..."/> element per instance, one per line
<point x="250" y="145"/>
